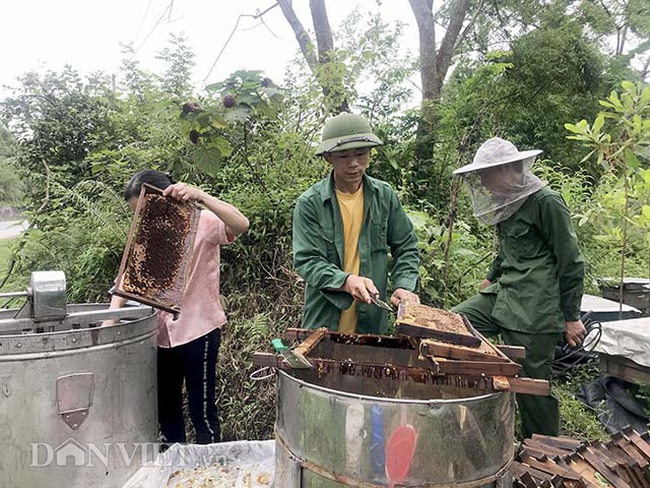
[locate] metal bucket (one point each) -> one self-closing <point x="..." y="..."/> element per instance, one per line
<point x="332" y="431"/>
<point x="78" y="407"/>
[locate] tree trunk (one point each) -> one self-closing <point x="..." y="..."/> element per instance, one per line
<point x="423" y="11"/>
<point x="434" y="65"/>
<point x="323" y="30"/>
<point x="451" y="40"/>
<point x="646" y="68"/>
<point x="304" y="41"/>
<point x="333" y="87"/>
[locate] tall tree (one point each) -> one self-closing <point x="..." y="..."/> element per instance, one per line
<point x="627" y="24"/>
<point x="180" y="62"/>
<point x="319" y="55"/>
<point x="434" y="64"/>
<point x="11" y="185"/>
<point x="552" y="74"/>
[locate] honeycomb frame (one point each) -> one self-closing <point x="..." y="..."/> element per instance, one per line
<point x="156" y="261"/>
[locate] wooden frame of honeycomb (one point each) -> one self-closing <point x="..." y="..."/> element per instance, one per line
<point x="158" y="254"/>
<point x="428" y="322"/>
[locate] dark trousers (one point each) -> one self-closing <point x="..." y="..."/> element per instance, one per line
<point x="194" y="363"/>
<point x="539" y="415"/>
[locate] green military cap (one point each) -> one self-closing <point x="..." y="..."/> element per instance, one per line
<point x="347" y="131"/>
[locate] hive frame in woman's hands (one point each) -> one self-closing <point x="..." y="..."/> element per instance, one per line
<point x="166" y="298"/>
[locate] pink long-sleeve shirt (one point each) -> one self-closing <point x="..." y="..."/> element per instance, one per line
<point x="201" y="310"/>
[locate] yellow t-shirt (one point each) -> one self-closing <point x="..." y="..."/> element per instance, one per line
<point x="351" y="205"/>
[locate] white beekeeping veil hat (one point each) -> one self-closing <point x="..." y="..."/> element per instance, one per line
<point x="499" y="179"/>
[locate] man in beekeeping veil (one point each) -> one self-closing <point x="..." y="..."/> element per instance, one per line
<point x="532" y="294"/>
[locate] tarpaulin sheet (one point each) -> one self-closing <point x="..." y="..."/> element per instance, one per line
<point x="615" y="406"/>
<point x="239" y="464"/>
<point x="627" y="338"/>
<point x="602" y="309"/>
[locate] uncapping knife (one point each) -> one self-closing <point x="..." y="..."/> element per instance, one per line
<point x="380" y="303"/>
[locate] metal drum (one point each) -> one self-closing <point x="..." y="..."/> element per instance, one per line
<point x="77" y="399"/>
<point x="333" y="430"/>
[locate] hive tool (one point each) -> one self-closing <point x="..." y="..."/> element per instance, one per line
<point x="294" y="359"/>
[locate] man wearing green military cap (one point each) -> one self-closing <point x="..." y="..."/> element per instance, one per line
<point x="343" y="228"/>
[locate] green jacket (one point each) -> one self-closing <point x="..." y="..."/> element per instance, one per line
<point x="539" y="270"/>
<point x="318" y="252"/>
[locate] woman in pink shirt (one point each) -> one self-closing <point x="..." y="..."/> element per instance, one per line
<point x="188" y="346"/>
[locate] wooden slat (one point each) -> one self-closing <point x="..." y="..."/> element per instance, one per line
<point x="267" y="359"/>
<point x="513" y="352"/>
<point x="631" y="450"/>
<point x="485" y="340"/>
<point x="529" y="386"/>
<point x="561" y="442"/>
<point x="573" y="484"/>
<point x="527" y="480"/>
<point x="583" y="483"/>
<point x="537" y="474"/>
<point x="546" y="448"/>
<point x="620" y="456"/>
<point x="631" y="464"/>
<point x="310" y="342"/>
<point x="429" y="333"/>
<point x="561" y="462"/>
<point x="449" y="366"/>
<point x="600" y="466"/>
<point x="638" y="441"/>
<point x="615" y="462"/>
<point x="451" y="351"/>
<point x="584" y="469"/>
<point x="536" y="453"/>
<point x="603" y="455"/>
<point x="501" y="383"/>
<point x="516" y="483"/>
<point x="549" y="466"/>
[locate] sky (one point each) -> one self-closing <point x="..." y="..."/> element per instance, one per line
<point x="44" y="35"/>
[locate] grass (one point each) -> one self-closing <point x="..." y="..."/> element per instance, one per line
<point x="15" y="283"/>
<point x="5" y="252"/>
<point x="576" y="419"/>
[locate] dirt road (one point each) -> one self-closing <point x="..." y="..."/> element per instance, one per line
<point x="12" y="228"/>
